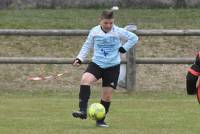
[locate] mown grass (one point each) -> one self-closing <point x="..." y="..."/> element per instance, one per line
<point x="45" y="106"/>
<point x="87" y="18"/>
<point x="151" y="112"/>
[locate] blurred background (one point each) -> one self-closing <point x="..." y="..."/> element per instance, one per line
<point x="80" y="14"/>
<point x="159" y="104"/>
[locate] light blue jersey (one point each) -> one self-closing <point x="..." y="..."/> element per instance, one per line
<point x="106" y="45"/>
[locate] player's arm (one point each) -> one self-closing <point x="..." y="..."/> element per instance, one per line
<point x="84" y="50"/>
<point x="192" y="76"/>
<point x="130" y="37"/>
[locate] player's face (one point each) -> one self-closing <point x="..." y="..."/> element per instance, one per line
<point x="106" y="24"/>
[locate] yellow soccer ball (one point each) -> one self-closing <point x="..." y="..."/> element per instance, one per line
<point x="96" y="111"/>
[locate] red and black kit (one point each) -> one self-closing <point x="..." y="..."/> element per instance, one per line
<point x="192" y="83"/>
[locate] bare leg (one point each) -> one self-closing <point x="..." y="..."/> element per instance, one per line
<point x="84" y="95"/>
<point x="106" y="96"/>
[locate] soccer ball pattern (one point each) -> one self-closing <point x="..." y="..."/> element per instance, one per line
<point x="96" y="111"/>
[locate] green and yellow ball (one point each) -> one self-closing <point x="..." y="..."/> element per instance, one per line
<point x="96" y="111"/>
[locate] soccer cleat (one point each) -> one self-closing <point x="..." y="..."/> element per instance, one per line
<point x="80" y="114"/>
<point x="101" y="123"/>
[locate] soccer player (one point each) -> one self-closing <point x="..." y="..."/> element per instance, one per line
<point x="192" y="76"/>
<point x="105" y="40"/>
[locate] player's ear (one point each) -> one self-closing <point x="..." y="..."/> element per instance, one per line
<point x="99" y="20"/>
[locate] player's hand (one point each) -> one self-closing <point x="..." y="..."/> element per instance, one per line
<point x="77" y="62"/>
<point x="122" y="50"/>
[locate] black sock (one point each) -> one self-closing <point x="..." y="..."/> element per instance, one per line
<point x="107" y="106"/>
<point x="84" y="96"/>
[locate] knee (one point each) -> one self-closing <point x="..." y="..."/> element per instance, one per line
<point x="86" y="79"/>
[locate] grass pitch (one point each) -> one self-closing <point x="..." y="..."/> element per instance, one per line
<point x="149" y="112"/>
<point x="38" y="111"/>
<point x="87" y="18"/>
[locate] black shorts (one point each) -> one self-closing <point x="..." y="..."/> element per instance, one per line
<point x="109" y="75"/>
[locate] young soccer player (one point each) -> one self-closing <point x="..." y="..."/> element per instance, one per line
<point x="105" y="40"/>
<point x="192" y="76"/>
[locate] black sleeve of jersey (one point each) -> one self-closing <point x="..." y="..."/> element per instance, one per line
<point x="191" y="81"/>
